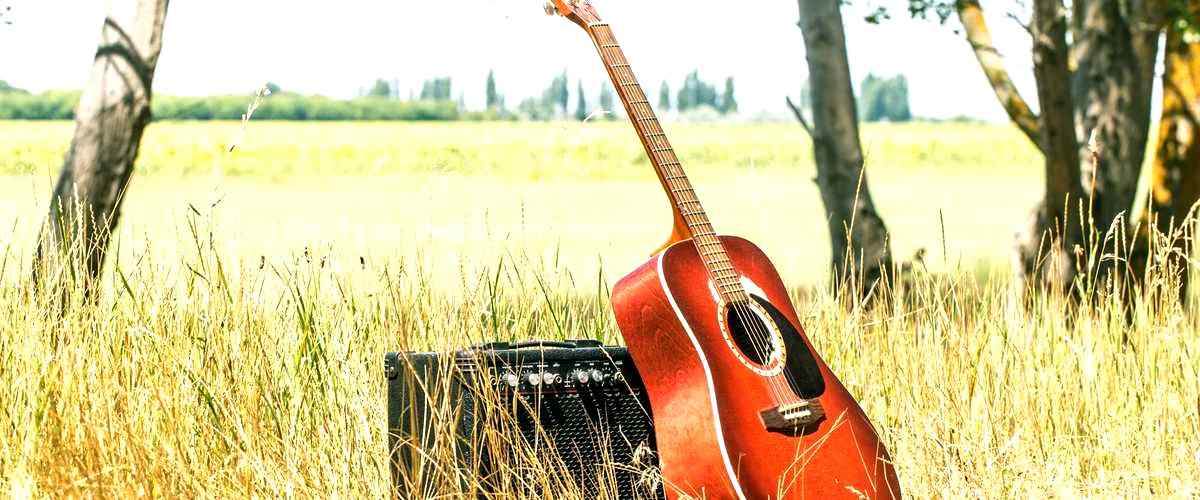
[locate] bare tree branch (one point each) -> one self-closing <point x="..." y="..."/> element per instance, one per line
<point x="800" y="118"/>
<point x="980" y="38"/>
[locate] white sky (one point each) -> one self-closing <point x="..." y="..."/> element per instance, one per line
<point x="336" y="48"/>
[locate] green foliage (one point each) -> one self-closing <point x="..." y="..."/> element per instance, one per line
<point x="5" y="88"/>
<point x="555" y="96"/>
<point x="536" y="109"/>
<point x="552" y="104"/>
<point x="581" y="109"/>
<point x="884" y="99"/>
<point x="494" y="99"/>
<point x="728" y="101"/>
<point x="664" y="97"/>
<point x="381" y="88"/>
<point x="437" y="89"/>
<point x="607" y="100"/>
<point x="50" y="105"/>
<point x="288" y="106"/>
<point x="696" y="93"/>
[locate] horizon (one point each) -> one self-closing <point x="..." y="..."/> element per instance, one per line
<point x="274" y="45"/>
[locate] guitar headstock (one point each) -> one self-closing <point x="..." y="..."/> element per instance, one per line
<point x="578" y="11"/>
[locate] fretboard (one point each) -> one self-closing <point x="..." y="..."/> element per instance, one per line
<point x="670" y="172"/>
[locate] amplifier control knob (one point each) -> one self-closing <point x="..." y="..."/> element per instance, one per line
<point x="597" y="375"/>
<point x="582" y="376"/>
<point x="549" y="378"/>
<point x="535" y="379"/>
<point x="618" y="377"/>
<point x="511" y="379"/>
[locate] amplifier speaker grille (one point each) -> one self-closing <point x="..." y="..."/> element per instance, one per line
<point x="594" y="438"/>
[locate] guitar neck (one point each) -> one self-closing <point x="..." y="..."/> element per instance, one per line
<point x="684" y="203"/>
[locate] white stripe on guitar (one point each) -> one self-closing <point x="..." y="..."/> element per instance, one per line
<point x="712" y="393"/>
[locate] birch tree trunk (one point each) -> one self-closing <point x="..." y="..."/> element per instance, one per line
<point x="112" y="113"/>
<point x="861" y="250"/>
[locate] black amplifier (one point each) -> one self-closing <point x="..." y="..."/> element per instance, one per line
<point x="536" y="419"/>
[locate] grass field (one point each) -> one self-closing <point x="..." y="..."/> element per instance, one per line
<point x="237" y="348"/>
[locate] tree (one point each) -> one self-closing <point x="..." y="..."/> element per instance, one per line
<point x="728" y="102"/>
<point x="581" y="108"/>
<point x="5" y="88"/>
<point x="561" y="92"/>
<point x="695" y="93"/>
<point x="884" y="99"/>
<point x="606" y="99"/>
<point x="437" y="89"/>
<point x="1107" y="81"/>
<point x="112" y="114"/>
<point x="380" y="88"/>
<point x="1046" y="247"/>
<point x="1175" y="171"/>
<point x="664" y="97"/>
<point x="861" y="254"/>
<point x="273" y="88"/>
<point x="495" y="101"/>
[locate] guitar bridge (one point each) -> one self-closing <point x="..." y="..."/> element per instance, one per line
<point x="792" y="418"/>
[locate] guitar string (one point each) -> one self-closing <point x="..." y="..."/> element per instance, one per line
<point x="759" y="338"/>
<point x="674" y="181"/>
<point x="742" y="306"/>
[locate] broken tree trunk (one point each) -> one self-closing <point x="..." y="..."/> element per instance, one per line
<point x="112" y="113"/>
<point x="861" y="251"/>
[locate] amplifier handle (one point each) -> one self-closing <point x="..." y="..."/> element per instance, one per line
<point x="526" y="344"/>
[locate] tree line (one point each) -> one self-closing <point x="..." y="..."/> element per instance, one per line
<point x="17" y="104"/>
<point x="882" y="99"/>
<point x="1094" y="65"/>
<point x="382" y="101"/>
<point x="555" y="100"/>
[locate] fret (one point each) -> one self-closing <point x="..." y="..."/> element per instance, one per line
<point x="670" y="170"/>
<point x="728" y="280"/>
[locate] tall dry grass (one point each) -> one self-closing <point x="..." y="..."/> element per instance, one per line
<point x="214" y="376"/>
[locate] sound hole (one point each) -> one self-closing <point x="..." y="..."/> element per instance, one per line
<point x="749" y="333"/>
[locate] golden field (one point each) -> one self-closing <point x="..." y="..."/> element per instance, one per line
<point x="236" y="350"/>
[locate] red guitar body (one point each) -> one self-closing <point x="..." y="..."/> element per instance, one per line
<point x="707" y="403"/>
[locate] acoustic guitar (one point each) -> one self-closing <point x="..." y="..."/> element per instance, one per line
<point x="744" y="407"/>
